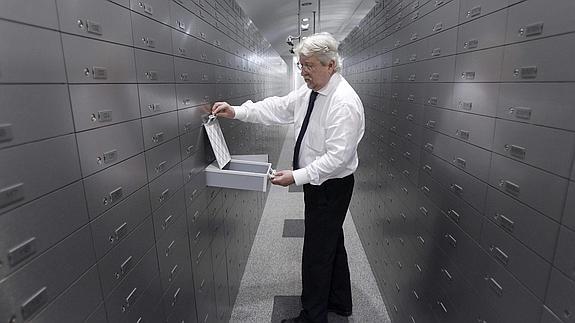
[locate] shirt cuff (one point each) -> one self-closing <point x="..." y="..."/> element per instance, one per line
<point x="241" y="112"/>
<point x="300" y="177"/>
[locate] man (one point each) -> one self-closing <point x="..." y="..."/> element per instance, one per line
<point x="329" y="123"/>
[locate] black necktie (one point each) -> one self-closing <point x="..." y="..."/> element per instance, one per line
<point x="312" y="98"/>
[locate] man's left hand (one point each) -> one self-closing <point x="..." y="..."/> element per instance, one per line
<point x="283" y="178"/>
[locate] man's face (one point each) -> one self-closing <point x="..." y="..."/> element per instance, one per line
<point x="314" y="73"/>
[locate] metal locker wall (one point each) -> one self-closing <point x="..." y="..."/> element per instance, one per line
<point x="493" y="210"/>
<point x="105" y="215"/>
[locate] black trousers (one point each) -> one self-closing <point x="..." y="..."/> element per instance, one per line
<point x="325" y="271"/>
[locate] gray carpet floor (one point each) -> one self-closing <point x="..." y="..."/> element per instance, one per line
<point x="272" y="280"/>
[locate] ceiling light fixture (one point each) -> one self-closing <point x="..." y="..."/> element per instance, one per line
<point x="305" y="24"/>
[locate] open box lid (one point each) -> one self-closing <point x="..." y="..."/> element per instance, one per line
<point x="217" y="141"/>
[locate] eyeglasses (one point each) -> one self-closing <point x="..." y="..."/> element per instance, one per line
<point x="306" y="67"/>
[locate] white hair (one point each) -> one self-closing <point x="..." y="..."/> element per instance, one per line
<point x="323" y="46"/>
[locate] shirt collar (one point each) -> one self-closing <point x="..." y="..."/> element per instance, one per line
<point x="331" y="84"/>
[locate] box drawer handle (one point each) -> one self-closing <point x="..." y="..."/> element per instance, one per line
<point x="418" y="268"/>
<point x="164" y="195"/>
<point x="173" y="273"/>
<point x="526" y="72"/>
<point x="154" y="107"/>
<point x="404" y="218"/>
<point x="510" y="187"/>
<point x="197" y="235"/>
<point x="499" y="255"/>
<point x="454" y="215"/>
<point x="21" y="252"/>
<point x="516" y="151"/>
<point x="438" y="26"/>
<point x="167" y="221"/>
<point x="161" y="166"/>
<point x="495" y="286"/>
<point x="474" y="12"/>
<point x="423" y="211"/>
<point x="451" y="240"/>
<point x="531" y="30"/>
<point x="421" y="240"/>
<point x="415" y="294"/>
<point x="151" y="75"/>
<point x="471" y="44"/>
<point x="440" y="303"/>
<point x="119" y="233"/>
<point x="129" y="300"/>
<point x="175" y="297"/>
<point x="199" y="257"/>
<point x="149" y="42"/>
<point x="102" y="116"/>
<point x="446" y="274"/>
<point x="434" y="77"/>
<point x="520" y="112"/>
<point x="463" y="134"/>
<point x="158" y="137"/>
<point x="504" y="222"/>
<point x="124" y="268"/>
<point x="468" y="75"/>
<point x="169" y="248"/>
<point x="194" y="219"/>
<point x="460" y="162"/>
<point x="34" y="303"/>
<point x="6" y="131"/>
<point x="465" y="105"/>
<point x="147" y="8"/>
<point x="425" y="190"/>
<point x="113" y="196"/>
<point x="90" y="27"/>
<point x="457" y="189"/>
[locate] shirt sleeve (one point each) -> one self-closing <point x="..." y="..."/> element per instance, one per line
<point x="272" y="110"/>
<point x="343" y="132"/>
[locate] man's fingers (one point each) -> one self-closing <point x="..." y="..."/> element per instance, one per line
<point x="222" y="109"/>
<point x="218" y="107"/>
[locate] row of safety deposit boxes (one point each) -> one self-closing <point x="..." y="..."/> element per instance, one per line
<point x="105" y="215"/>
<point x="469" y="105"/>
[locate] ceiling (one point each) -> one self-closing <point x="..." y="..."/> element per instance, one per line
<point x="276" y="19"/>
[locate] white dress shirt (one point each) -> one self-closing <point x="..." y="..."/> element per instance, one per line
<point x="336" y="126"/>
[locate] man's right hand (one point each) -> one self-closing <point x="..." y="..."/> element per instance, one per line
<point x="223" y="109"/>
